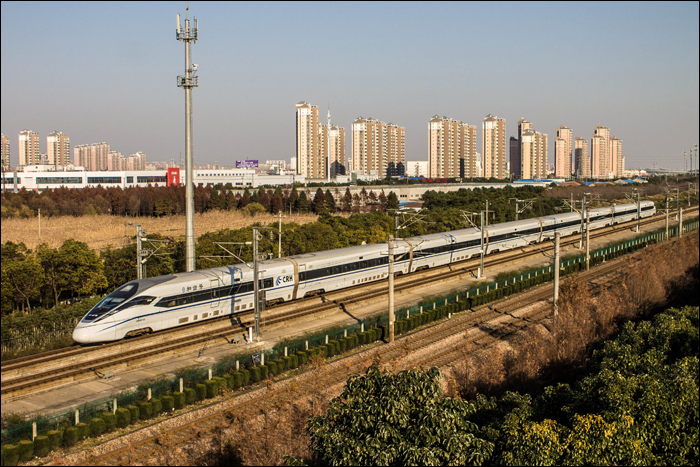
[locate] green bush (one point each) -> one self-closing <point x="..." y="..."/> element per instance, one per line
<point x="110" y="421"/>
<point x="212" y="388"/>
<point x="179" y="400"/>
<point x="343" y="345"/>
<point x="190" y="396"/>
<point x="83" y="430"/>
<point x="221" y="380"/>
<point x="272" y="367"/>
<point x="123" y="419"/>
<point x="25" y="449"/>
<point x="145" y="410"/>
<point x="229" y="381"/>
<point x="41" y="446"/>
<point x="55" y="439"/>
<point x="168" y="403"/>
<point x="287" y="362"/>
<point x="10" y="455"/>
<point x="201" y="391"/>
<point x="330" y="349"/>
<point x="255" y="374"/>
<point x="97" y="427"/>
<point x="293" y="361"/>
<point x="246" y="377"/>
<point x="302" y="357"/>
<point x="361" y="338"/>
<point x="157" y="406"/>
<point x="71" y="436"/>
<point x="237" y="379"/>
<point x="134" y="411"/>
<point x="264" y="372"/>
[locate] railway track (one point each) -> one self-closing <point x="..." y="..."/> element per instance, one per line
<point x="28" y="375"/>
<point x="502" y="318"/>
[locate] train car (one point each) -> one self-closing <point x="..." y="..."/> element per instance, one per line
<point x="158" y="303"/>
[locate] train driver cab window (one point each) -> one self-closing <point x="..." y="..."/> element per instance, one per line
<point x="111" y="301"/>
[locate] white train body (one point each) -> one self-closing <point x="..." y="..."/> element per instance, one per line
<point x="165" y="302"/>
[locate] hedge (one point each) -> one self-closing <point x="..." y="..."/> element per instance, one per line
<point x="229" y="381"/>
<point x="25" y="449"/>
<point x="71" y="435"/>
<point x="83" y="430"/>
<point x="168" y="403"/>
<point x="157" y="406"/>
<point x="246" y="377"/>
<point x="179" y="400"/>
<point x="41" y="446"/>
<point x="264" y="371"/>
<point x="272" y="367"/>
<point x="255" y="374"/>
<point x="10" y="455"/>
<point x="190" y="396"/>
<point x="145" y="410"/>
<point x="302" y="357"/>
<point x="287" y="363"/>
<point x="134" y="411"/>
<point x="201" y="391"/>
<point x="237" y="379"/>
<point x="55" y="438"/>
<point x="212" y="388"/>
<point x="110" y="420"/>
<point x="97" y="427"/>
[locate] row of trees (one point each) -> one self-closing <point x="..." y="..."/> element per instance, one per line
<point x="162" y="201"/>
<point x="638" y="405"/>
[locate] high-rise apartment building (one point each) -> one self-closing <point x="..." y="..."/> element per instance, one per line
<point x="115" y="161"/>
<point x="29" y="153"/>
<point x="563" y="146"/>
<point x="58" y="149"/>
<point x="375" y="144"/>
<point x="583" y="161"/>
<point x="533" y="154"/>
<point x="493" y="146"/>
<point x="600" y="155"/>
<point x="92" y="156"/>
<point x="309" y="163"/>
<point x="5" y="152"/>
<point x="616" y="159"/>
<point x="336" y="139"/>
<point x="136" y="161"/>
<point x="452" y="148"/>
<point x="515" y="167"/>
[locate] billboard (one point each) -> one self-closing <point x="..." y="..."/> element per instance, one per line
<point x="247" y="164"/>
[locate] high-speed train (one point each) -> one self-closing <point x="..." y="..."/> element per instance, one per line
<point x="158" y="303"/>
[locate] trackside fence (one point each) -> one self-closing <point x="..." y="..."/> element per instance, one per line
<point x="190" y="386"/>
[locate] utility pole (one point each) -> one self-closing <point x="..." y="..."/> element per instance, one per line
<point x="588" y="239"/>
<point x="666" y="216"/>
<point x="527" y="205"/>
<point x="487" y="212"/>
<point x="188" y="81"/>
<point x="39" y="223"/>
<point x="139" y="253"/>
<point x="391" y="288"/>
<point x="481" y="268"/>
<point x="636" y="192"/>
<point x="555" y="300"/>
<point x="279" y="234"/>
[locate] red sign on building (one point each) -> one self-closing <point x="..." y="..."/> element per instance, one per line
<point x="174" y="176"/>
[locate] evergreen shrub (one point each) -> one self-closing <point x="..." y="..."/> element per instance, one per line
<point x="25" y="449"/>
<point x="293" y="361"/>
<point x="201" y="391"/>
<point x="83" y="430"/>
<point x="246" y="377"/>
<point x="264" y="372"/>
<point x="302" y="357"/>
<point x="55" y="439"/>
<point x="287" y="363"/>
<point x="71" y="435"/>
<point x="178" y="400"/>
<point x="168" y="403"/>
<point x="212" y="388"/>
<point x="97" y="427"/>
<point x="110" y="420"/>
<point x="145" y="410"/>
<point x="157" y="406"/>
<point x="134" y="411"/>
<point x="41" y="446"/>
<point x="10" y="455"/>
<point x="190" y="396"/>
<point x="123" y="420"/>
<point x="272" y="367"/>
<point x="229" y="381"/>
<point x="237" y="379"/>
<point x="255" y="374"/>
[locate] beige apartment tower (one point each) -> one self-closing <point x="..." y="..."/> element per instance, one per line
<point x="616" y="159"/>
<point x="336" y="139"/>
<point x="600" y="155"/>
<point x="58" y="149"/>
<point x="94" y="156"/>
<point x="563" y="146"/>
<point x="309" y="163"/>
<point x="5" y="152"/>
<point x="533" y="154"/>
<point x="493" y="146"/>
<point x="583" y="161"/>
<point x="451" y="148"/>
<point x="29" y="153"/>
<point x="375" y="144"/>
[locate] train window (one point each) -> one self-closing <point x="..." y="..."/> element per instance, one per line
<point x="363" y="264"/>
<point x="111" y="301"/>
<point x="267" y="283"/>
<point x="337" y="270"/>
<point x="143" y="300"/>
<point x="346" y="267"/>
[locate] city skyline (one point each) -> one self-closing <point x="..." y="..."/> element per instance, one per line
<point x="631" y="67"/>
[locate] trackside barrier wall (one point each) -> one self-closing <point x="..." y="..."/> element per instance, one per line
<point x="192" y="377"/>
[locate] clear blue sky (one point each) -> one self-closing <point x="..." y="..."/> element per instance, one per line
<point x="107" y="72"/>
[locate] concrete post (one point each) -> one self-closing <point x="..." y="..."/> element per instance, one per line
<point x="149" y="393"/>
<point x="346" y="332"/>
<point x="326" y="339"/>
<point x="307" y="345"/>
<point x="77" y="417"/>
<point x="362" y="327"/>
<point x="237" y="365"/>
<point x="33" y="430"/>
<point x="209" y="373"/>
<point x="182" y="385"/>
<point x="262" y="358"/>
<point x="114" y="406"/>
<point x="285" y="352"/>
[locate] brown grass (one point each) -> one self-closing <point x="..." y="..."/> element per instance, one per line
<point x="100" y="231"/>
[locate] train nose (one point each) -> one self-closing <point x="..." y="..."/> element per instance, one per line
<point x="81" y="335"/>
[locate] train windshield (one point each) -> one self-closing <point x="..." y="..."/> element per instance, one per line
<point x="111" y="301"/>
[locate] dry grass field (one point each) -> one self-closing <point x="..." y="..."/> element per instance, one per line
<point x="100" y="231"/>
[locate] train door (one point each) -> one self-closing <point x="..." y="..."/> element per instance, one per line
<point x="302" y="274"/>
